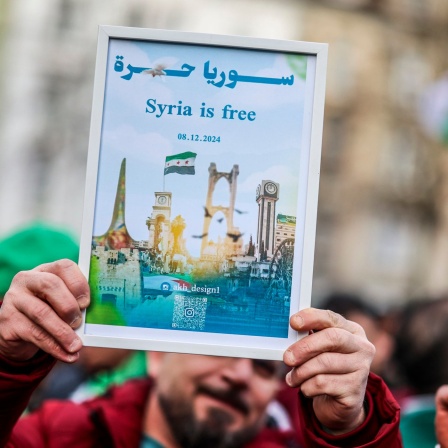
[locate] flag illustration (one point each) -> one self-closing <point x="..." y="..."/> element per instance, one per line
<point x="180" y="163"/>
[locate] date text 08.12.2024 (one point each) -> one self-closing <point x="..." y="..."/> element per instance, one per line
<point x="199" y="138"/>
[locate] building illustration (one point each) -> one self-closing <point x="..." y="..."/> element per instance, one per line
<point x="267" y="195"/>
<point x="159" y="223"/>
<point x="233" y="243"/>
<point x="252" y="279"/>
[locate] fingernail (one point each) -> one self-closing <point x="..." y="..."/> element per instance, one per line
<point x="290" y="356"/>
<point x="298" y="321"/>
<point x="73" y="357"/>
<point x="288" y="379"/>
<point x="75" y="346"/>
<point x="77" y="317"/>
<point x="83" y="301"/>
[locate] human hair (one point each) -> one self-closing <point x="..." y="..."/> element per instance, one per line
<point x="421" y="350"/>
<point x="345" y="303"/>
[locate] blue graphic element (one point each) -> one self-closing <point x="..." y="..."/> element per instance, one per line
<point x="165" y="286"/>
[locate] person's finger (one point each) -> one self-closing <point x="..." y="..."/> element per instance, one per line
<point x="327" y="363"/>
<point x="335" y="340"/>
<point x="341" y="387"/>
<point x="21" y="337"/>
<point x="71" y="275"/>
<point x="442" y="416"/>
<point x="312" y="319"/>
<point x="47" y="321"/>
<point x="32" y="289"/>
<point x="442" y="398"/>
<point x="339" y="396"/>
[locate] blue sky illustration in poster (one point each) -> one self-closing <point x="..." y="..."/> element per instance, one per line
<point x="204" y="251"/>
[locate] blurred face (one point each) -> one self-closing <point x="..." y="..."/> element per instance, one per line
<point x="380" y="338"/>
<point x="214" y="401"/>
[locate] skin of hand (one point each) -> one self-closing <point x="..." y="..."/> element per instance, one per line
<point x="442" y="416"/>
<point x="331" y="365"/>
<point x="41" y="309"/>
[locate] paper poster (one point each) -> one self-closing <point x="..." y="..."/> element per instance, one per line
<point x="200" y="196"/>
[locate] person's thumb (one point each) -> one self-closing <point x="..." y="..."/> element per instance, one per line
<point x="442" y="416"/>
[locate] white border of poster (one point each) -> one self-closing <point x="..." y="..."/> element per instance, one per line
<point x="201" y="191"/>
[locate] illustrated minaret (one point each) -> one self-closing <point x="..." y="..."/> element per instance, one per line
<point x="266" y="196"/>
<point x="117" y="236"/>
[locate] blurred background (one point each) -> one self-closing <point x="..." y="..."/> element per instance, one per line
<point x="383" y="208"/>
